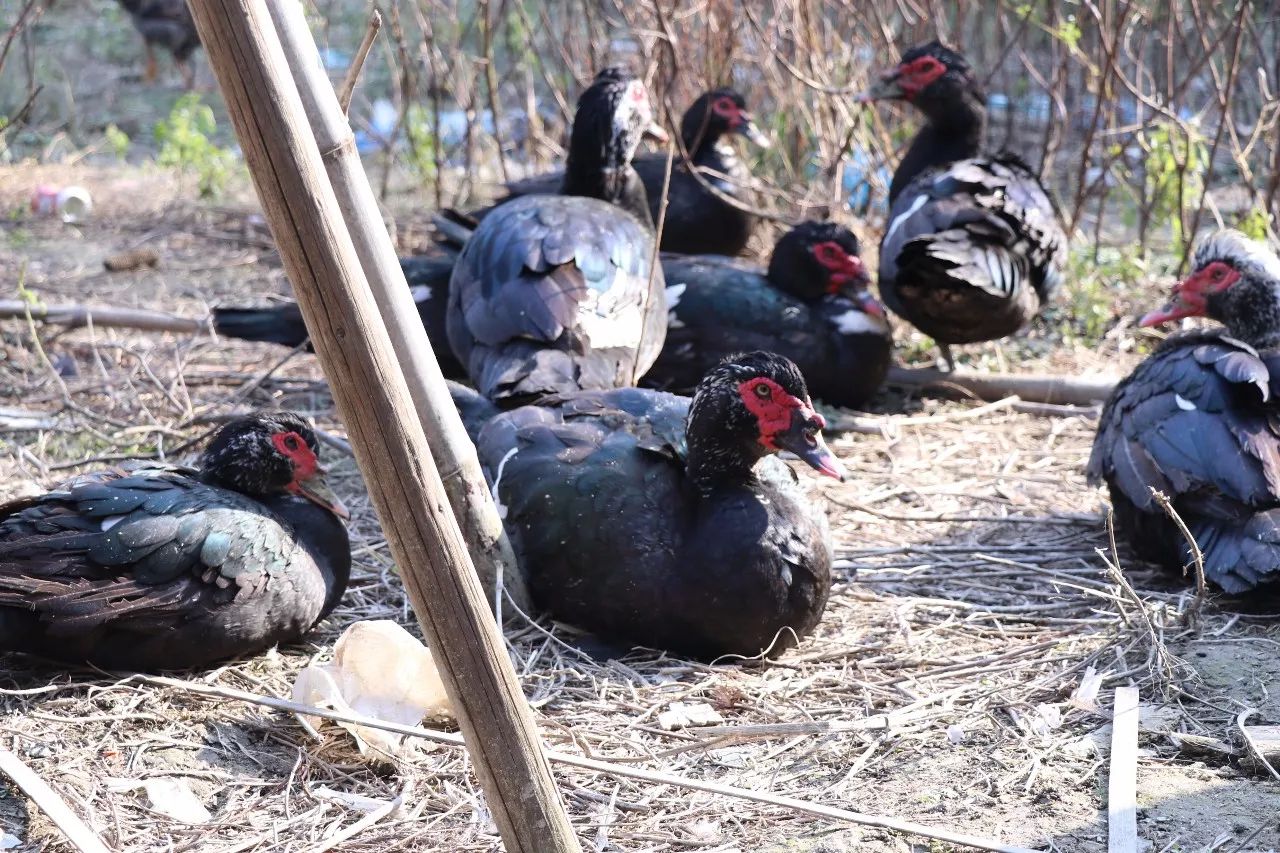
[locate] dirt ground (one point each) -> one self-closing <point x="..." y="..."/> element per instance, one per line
<point x="971" y="597"/>
<point x="973" y="594"/>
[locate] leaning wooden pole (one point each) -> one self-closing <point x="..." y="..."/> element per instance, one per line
<point x="455" y="455"/>
<point x="377" y="408"/>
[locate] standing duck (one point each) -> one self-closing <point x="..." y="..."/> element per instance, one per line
<point x="282" y="323"/>
<point x="649" y="518"/>
<point x="163" y="567"/>
<point x="811" y="305"/>
<point x="556" y="293"/>
<point x="973" y="247"/>
<point x="698" y="221"/>
<point x="167" y="23"/>
<point x="1199" y="421"/>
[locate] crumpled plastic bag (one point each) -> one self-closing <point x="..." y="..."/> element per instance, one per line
<point x="379" y="670"/>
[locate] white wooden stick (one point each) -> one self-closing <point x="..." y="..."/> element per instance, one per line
<point x="1122" y="780"/>
<point x="51" y="803"/>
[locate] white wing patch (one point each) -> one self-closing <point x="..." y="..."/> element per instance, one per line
<point x="111" y="521"/>
<point x="611" y="319"/>
<point x="1183" y="403"/>
<point x="920" y="202"/>
<point x="420" y="293"/>
<point x="855" y="322"/>
<point x="674" y="292"/>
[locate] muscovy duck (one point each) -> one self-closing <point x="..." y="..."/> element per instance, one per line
<point x="811" y="305"/>
<point x="646" y="517"/>
<point x="556" y="293"/>
<point x="428" y="279"/>
<point x="1199" y="420"/>
<point x="974" y="246"/>
<point x="167" y="23"/>
<point x="698" y="221"/>
<point x="157" y="566"/>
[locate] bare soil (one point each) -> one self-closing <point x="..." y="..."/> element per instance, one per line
<point x="973" y="590"/>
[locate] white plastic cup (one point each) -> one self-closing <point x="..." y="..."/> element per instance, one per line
<point x="74" y="204"/>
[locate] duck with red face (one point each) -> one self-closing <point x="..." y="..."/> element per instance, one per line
<point x="155" y="566"/>
<point x="698" y="220"/>
<point x="1199" y="421"/>
<point x="974" y="246"/>
<point x="657" y="520"/>
<point x="812" y="304"/>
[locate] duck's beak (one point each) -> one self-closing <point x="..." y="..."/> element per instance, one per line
<point x="804" y="439"/>
<point x="754" y="135"/>
<point x="887" y="88"/>
<point x="316" y="489"/>
<point x="655" y="132"/>
<point x="1174" y="309"/>
<point x="1188" y="300"/>
<point x="870" y="304"/>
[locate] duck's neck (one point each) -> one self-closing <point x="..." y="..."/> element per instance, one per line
<point x="326" y="540"/>
<point x="713" y="465"/>
<point x="606" y="173"/>
<point x="700" y="140"/>
<point x="1255" y="316"/>
<point x="950" y="134"/>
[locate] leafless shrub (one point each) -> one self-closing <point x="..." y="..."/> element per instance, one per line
<point x="1149" y="119"/>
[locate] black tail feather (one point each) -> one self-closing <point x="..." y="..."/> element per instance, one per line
<point x="280" y="324"/>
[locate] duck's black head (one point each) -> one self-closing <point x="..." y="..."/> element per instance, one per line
<point x="1236" y="281"/>
<point x="817" y="258"/>
<point x="934" y="78"/>
<point x="747" y="407"/>
<point x="940" y="83"/>
<point x="716" y="113"/>
<point x="266" y="454"/>
<point x="613" y="114"/>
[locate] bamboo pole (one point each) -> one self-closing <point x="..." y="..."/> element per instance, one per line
<point x="375" y="404"/>
<point x="454" y="454"/>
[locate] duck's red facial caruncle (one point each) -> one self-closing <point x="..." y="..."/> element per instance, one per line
<point x="727" y="109"/>
<point x="738" y="120"/>
<point x="906" y="81"/>
<point x="1191" y="295"/>
<point x="308" y="477"/>
<point x="845" y="270"/>
<point x="916" y="76"/>
<point x="789" y="423"/>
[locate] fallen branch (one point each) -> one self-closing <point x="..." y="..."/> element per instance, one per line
<point x="21" y="419"/>
<point x="1028" y="387"/>
<point x="656" y="777"/>
<point x="75" y="316"/>
<point x="51" y="803"/>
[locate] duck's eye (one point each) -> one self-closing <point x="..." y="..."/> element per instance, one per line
<point x="726" y="106"/>
<point x="292" y="442"/>
<point x="763" y="391"/>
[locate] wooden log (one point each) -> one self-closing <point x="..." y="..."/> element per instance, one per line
<point x="1028" y="387"/>
<point x="373" y="399"/>
<point x="75" y="316"/>
<point x="454" y="454"/>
